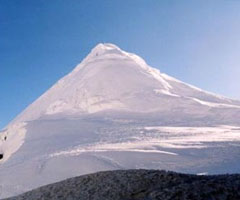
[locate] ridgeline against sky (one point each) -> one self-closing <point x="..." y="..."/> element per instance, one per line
<point x="40" y="41"/>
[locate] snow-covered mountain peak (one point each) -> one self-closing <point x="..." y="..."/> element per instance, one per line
<point x="103" y="105"/>
<point x="104" y="50"/>
<point x="112" y="79"/>
<point x="105" y="46"/>
<point x="108" y="51"/>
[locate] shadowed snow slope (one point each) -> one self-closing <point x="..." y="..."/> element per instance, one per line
<point x="113" y="111"/>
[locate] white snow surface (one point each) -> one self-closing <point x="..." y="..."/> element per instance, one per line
<point x="112" y="79"/>
<point x="12" y="139"/>
<point x="114" y="111"/>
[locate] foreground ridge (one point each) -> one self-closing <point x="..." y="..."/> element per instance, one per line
<point x="140" y="185"/>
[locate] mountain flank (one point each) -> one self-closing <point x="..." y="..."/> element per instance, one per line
<point x="115" y="112"/>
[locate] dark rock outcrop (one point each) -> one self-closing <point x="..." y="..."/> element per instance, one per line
<point x="140" y="185"/>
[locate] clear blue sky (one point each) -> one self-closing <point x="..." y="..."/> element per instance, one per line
<point x="195" y="41"/>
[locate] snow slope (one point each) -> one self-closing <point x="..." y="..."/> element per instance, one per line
<point x="113" y="111"/>
<point x="109" y="78"/>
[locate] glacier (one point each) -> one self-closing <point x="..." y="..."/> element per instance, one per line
<point x="114" y="111"/>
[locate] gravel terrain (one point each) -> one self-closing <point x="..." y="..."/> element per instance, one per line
<point x="140" y="185"/>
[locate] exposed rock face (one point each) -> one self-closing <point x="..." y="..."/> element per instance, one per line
<point x="140" y="185"/>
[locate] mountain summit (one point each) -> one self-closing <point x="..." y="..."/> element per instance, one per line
<point x="114" y="111"/>
<point x="112" y="79"/>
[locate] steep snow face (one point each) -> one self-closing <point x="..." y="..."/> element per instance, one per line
<point x="112" y="79"/>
